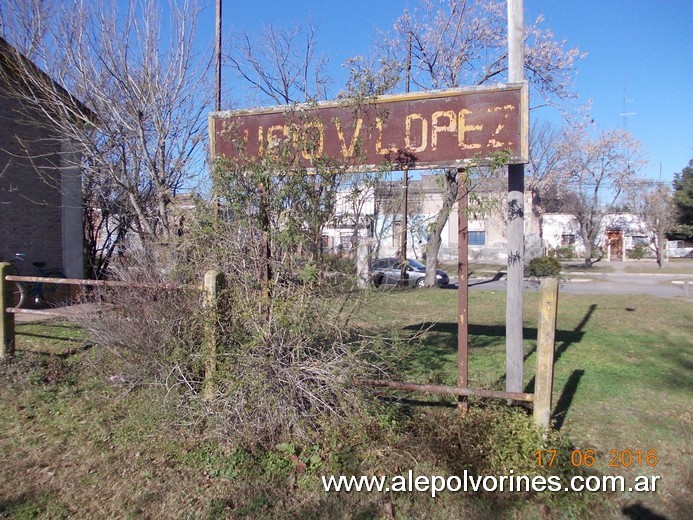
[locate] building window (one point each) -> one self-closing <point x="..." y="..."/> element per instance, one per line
<point x="397" y="233"/>
<point x="477" y="238"/>
<point x="326" y="243"/>
<point x="346" y="242"/>
<point x="567" y="240"/>
<point x="641" y="241"/>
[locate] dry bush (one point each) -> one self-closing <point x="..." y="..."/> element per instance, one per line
<point x="287" y="366"/>
<point x="152" y="323"/>
<point x="285" y="360"/>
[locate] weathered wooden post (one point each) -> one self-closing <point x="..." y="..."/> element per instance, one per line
<point x="214" y="283"/>
<point x="7" y="321"/>
<point x="546" y="336"/>
<point x="363" y="252"/>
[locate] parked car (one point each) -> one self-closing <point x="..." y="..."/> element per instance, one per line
<point x="388" y="271"/>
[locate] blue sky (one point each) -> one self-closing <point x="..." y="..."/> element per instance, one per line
<point x="639" y="51"/>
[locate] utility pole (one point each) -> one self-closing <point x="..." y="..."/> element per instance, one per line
<point x="217" y="93"/>
<point x="218" y="55"/>
<point x="514" y="348"/>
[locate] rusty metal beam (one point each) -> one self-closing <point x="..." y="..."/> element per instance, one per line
<point x="97" y="283"/>
<point x="447" y="390"/>
<point x="462" y="287"/>
<point x="17" y="310"/>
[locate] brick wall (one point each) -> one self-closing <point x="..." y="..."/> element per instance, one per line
<point x="30" y="197"/>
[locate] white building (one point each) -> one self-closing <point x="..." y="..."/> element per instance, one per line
<point x="620" y="234"/>
<point x="376" y="213"/>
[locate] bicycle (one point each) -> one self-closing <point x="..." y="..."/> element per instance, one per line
<point x="37" y="294"/>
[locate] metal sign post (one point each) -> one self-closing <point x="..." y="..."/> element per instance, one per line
<point x="425" y="130"/>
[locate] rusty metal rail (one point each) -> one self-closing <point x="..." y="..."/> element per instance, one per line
<point x="8" y="312"/>
<point x="17" y="310"/>
<point x="448" y="390"/>
<point x="95" y="283"/>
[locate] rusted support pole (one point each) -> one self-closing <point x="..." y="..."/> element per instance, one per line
<point x="265" y="249"/>
<point x="213" y="284"/>
<point x="404" y="275"/>
<point x="462" y="287"/>
<point x="7" y="337"/>
<point x="546" y="335"/>
<point x="448" y="390"/>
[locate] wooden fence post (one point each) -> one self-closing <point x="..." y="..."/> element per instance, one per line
<point x="546" y="336"/>
<point x="214" y="283"/>
<point x="7" y="322"/>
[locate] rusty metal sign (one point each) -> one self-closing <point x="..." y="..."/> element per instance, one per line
<point x="420" y="130"/>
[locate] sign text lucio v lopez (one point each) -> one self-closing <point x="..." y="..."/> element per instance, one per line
<point x="424" y="130"/>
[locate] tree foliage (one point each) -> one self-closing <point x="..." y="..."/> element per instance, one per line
<point x="683" y="198"/>
<point x="654" y="204"/>
<point x="459" y="43"/>
<point x="596" y="171"/>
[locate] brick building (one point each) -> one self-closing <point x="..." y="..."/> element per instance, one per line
<point x="41" y="211"/>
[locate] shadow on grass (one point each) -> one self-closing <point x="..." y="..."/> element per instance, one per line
<point x="638" y="511"/>
<point x="482" y="336"/>
<point x="46" y="336"/>
<point x="566" y="399"/>
<point x="408" y="401"/>
<point x="566" y="342"/>
<point x="444" y="341"/>
<point x="32" y="505"/>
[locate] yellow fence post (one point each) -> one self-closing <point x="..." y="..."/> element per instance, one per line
<point x="214" y="283"/>
<point x="7" y="322"/>
<point x="546" y="336"/>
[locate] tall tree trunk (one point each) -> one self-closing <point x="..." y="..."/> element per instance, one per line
<point x="658" y="248"/>
<point x="435" y="240"/>
<point x="588" y="254"/>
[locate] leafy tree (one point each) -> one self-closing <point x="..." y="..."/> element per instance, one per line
<point x="464" y="43"/>
<point x="654" y="204"/>
<point x="683" y="198"/>
<point x="597" y="171"/>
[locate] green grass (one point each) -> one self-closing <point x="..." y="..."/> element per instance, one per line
<point x="81" y="440"/>
<point x="674" y="266"/>
<point x="623" y="377"/>
<point x="51" y="336"/>
<point x="578" y="265"/>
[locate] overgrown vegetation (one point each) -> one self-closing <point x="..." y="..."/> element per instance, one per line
<point x="81" y="440"/>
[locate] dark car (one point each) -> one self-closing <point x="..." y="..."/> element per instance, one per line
<point x="388" y="271"/>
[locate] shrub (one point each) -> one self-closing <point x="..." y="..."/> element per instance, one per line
<point x="544" y="266"/>
<point x="286" y="361"/>
<point x="565" y="252"/>
<point x="503" y="438"/>
<point x="638" y="252"/>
